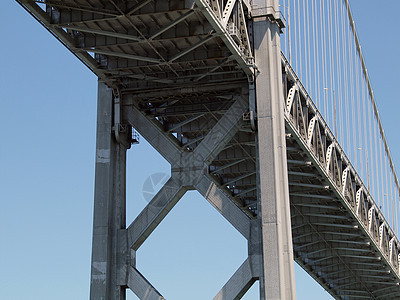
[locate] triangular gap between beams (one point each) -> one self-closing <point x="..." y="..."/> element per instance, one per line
<point x="194" y="251"/>
<point x="146" y="173"/>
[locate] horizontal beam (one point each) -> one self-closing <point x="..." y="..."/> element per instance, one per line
<point x="101" y="32"/>
<point x="125" y="55"/>
<point x="191" y="48"/>
<point x="173" y="23"/>
<point x="91" y="9"/>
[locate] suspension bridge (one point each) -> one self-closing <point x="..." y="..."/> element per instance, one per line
<point x="266" y="109"/>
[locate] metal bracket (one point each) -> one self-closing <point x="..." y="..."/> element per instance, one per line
<point x="275" y="16"/>
<point x="252" y="103"/>
<point x="124" y="133"/>
<point x="117" y="114"/>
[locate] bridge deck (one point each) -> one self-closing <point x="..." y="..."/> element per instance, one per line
<point x="180" y="64"/>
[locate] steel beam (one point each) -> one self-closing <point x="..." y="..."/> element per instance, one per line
<point x="220" y="200"/>
<point x="222" y="132"/>
<point x="238" y="284"/>
<point x="141" y="287"/>
<point x="101" y="32"/>
<point x="154" y="213"/>
<point x="166" y="145"/>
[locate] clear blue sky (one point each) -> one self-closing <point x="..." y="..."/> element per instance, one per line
<point x="48" y="108"/>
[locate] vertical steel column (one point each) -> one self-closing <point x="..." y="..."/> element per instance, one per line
<point x="274" y="224"/>
<point x="109" y="249"/>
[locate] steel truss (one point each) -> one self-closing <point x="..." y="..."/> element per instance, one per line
<point x="136" y="44"/>
<point x="190" y="169"/>
<point x="204" y="83"/>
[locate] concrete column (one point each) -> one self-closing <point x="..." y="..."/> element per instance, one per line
<point x="109" y="246"/>
<point x="276" y="250"/>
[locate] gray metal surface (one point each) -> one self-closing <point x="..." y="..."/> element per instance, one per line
<point x="182" y="74"/>
<point x="273" y="207"/>
<point x="148" y="44"/>
<point x="109" y="208"/>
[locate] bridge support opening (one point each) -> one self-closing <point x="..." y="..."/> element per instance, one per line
<point x="115" y="244"/>
<point x="268" y="231"/>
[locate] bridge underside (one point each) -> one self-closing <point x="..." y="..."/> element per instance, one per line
<point x="145" y="44"/>
<point x="182" y="74"/>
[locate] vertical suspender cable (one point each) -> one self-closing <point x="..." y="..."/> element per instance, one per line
<point x="315" y="52"/>
<point x="338" y="75"/>
<point x="304" y="30"/>
<point x="359" y="109"/>
<point x="372" y="98"/>
<point x="339" y="67"/>
<point x="365" y="131"/>
<point x="364" y="120"/>
<point x="343" y="73"/>
<point x="393" y="212"/>
<point x="346" y="106"/>
<point x="295" y="34"/>
<point x="307" y="48"/>
<point x="300" y="41"/>
<point x="376" y="180"/>
<point x="286" y="32"/>
<point x="381" y="181"/>
<point x="387" y="190"/>
<point x="371" y="149"/>
<point x="347" y="78"/>
<point x="353" y="96"/>
<point x="323" y="39"/>
<point x="332" y="86"/>
<point x="396" y="208"/>
<point x="336" y="68"/>
<point x="352" y="86"/>
<point x="397" y="203"/>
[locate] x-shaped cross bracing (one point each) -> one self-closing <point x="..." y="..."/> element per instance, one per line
<point x="189" y="170"/>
